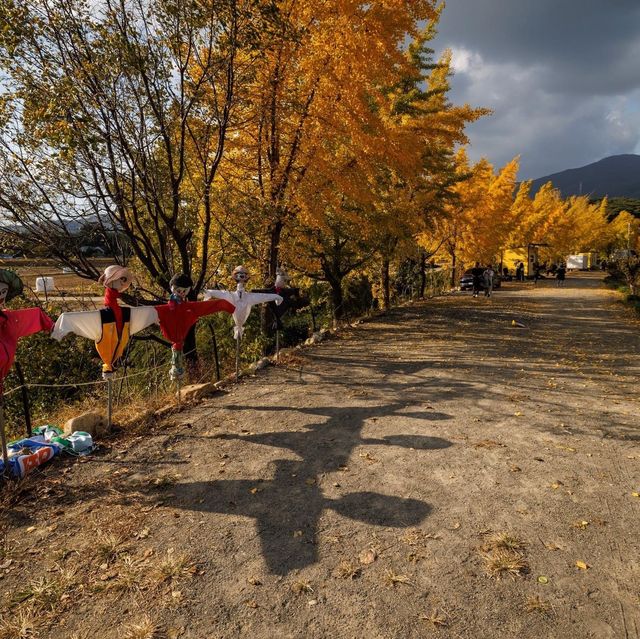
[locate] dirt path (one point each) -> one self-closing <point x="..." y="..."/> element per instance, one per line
<point x="353" y="492"/>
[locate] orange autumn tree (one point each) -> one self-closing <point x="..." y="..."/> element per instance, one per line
<point x="562" y="226"/>
<point x="316" y="114"/>
<point x="398" y="190"/>
<point x="490" y="220"/>
<point x="479" y="220"/>
<point x="409" y="204"/>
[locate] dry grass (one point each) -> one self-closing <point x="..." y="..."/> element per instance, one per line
<point x="436" y="618"/>
<point x="109" y="546"/>
<point x="416" y="536"/>
<point x="347" y="570"/>
<point x="503" y="554"/>
<point x="172" y="567"/>
<point x="502" y="562"/>
<point x="142" y="629"/>
<point x="38" y="601"/>
<point x="130" y="576"/>
<point x="18" y="625"/>
<point x="41" y="593"/>
<point x="135" y="411"/>
<point x="301" y="587"/>
<point x="504" y="541"/>
<point x="392" y="579"/>
<point x="489" y="443"/>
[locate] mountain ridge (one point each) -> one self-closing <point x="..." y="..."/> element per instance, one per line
<point x="613" y="176"/>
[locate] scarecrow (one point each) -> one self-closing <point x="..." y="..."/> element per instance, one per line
<point x="243" y="301"/>
<point x="179" y="315"/>
<point x="291" y="298"/>
<point x="13" y="326"/>
<point x="292" y="301"/>
<point x="112" y="326"/>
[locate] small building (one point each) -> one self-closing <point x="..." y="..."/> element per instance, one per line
<point x="582" y="261"/>
<point x="528" y="255"/>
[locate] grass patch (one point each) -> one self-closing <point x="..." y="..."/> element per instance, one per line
<point x="501" y="563"/>
<point x="42" y="593"/>
<point x="436" y="618"/>
<point x="21" y="625"/>
<point x="130" y="576"/>
<point x="301" y="587"/>
<point x="503" y="541"/>
<point x="172" y="567"/>
<point x="145" y="628"/>
<point x="347" y="570"/>
<point x="109" y="546"/>
<point x="392" y="579"/>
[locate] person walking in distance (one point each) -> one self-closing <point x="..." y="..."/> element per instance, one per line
<point x="536" y="273"/>
<point x="561" y="274"/>
<point x="477" y="273"/>
<point x="488" y="276"/>
<point x="520" y="272"/>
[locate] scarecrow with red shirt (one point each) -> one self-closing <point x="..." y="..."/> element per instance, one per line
<point x="13" y="326"/>
<point x="179" y="315"/>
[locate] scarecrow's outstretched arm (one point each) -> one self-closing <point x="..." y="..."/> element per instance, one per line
<point x="84" y="323"/>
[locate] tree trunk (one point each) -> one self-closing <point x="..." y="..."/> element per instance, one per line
<point x="337" y="299"/>
<point x="453" y="269"/>
<point x="423" y="273"/>
<point x="386" y="302"/>
<point x="274" y="252"/>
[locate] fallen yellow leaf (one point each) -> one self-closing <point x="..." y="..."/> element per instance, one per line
<point x="582" y="565"/>
<point x="635" y="494"/>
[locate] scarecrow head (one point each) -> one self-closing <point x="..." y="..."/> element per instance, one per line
<point x="10" y="286"/>
<point x="180" y="286"/>
<point x="116" y="277"/>
<point x="282" y="279"/>
<point x="240" y="274"/>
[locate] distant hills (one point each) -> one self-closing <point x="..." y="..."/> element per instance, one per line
<point x="614" y="176"/>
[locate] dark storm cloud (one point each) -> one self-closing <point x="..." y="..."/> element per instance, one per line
<point x="562" y="77"/>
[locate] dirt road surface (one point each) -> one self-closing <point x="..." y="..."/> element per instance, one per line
<point x="433" y="472"/>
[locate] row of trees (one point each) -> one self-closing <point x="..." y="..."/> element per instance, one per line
<point x="204" y="133"/>
<point x="493" y="212"/>
<point x="217" y="131"/>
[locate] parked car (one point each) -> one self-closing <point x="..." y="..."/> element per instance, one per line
<point x="466" y="281"/>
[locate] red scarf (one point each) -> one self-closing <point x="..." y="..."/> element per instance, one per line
<point x="111" y="296"/>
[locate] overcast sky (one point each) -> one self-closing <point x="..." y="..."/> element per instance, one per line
<point x="562" y="77"/>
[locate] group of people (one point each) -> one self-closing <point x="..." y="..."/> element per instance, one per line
<point x="559" y="271"/>
<point x="483" y="278"/>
